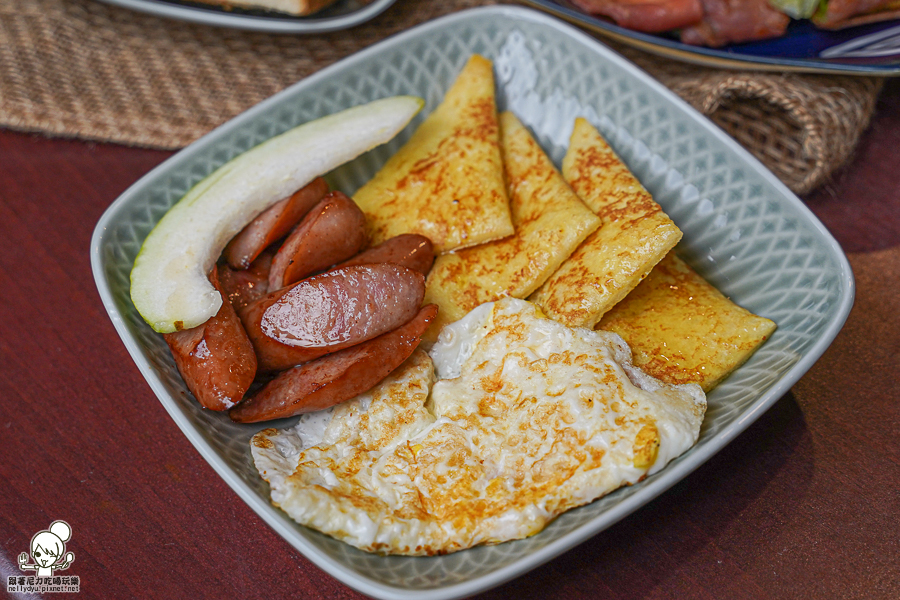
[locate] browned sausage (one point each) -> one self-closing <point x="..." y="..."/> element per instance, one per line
<point x="215" y="359"/>
<point x="273" y="224"/>
<point x="334" y="230"/>
<point x="336" y="377"/>
<point x="409" y="249"/>
<point x="248" y="285"/>
<point x="331" y="311"/>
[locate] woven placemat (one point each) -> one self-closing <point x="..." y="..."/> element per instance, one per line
<point x="84" y="69"/>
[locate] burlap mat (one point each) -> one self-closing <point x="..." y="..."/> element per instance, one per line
<point x="84" y="69"/>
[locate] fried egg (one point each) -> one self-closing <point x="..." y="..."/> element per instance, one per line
<point x="510" y="420"/>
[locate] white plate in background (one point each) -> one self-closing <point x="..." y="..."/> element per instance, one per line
<point x="343" y="14"/>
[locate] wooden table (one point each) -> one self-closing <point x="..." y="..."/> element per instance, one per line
<point x="804" y="504"/>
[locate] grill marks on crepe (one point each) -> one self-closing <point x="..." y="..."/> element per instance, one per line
<point x="681" y="329"/>
<point x="634" y="236"/>
<point x="550" y="222"/>
<point x="446" y="182"/>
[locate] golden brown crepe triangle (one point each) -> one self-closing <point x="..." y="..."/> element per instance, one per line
<point x="550" y="222"/>
<point x="446" y="182"/>
<point x="681" y="329"/>
<point x="634" y="236"/>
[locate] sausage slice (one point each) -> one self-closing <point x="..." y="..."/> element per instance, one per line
<point x="242" y="287"/>
<point x="331" y="311"/>
<point x="215" y="359"/>
<point x="409" y="249"/>
<point x="337" y="377"/>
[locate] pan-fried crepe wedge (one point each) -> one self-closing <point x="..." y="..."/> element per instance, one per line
<point x="293" y="7"/>
<point x="446" y="183"/>
<point x="550" y="221"/>
<point x="635" y="234"/>
<point x="681" y="329"/>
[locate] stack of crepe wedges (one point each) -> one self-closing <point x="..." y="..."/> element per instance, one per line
<point x="680" y="328"/>
<point x="550" y="222"/>
<point x="505" y="222"/>
<point x="635" y="235"/>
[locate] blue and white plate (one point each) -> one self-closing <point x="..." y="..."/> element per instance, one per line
<point x="863" y="50"/>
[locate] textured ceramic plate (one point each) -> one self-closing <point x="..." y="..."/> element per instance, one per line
<point x="864" y="50"/>
<point x="341" y="15"/>
<point x="743" y="230"/>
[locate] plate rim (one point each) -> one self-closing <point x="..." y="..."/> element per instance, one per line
<point x="273" y="24"/>
<point x="708" y="57"/>
<point x="655" y="486"/>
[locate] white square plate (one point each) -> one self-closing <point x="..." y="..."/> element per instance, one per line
<point x="341" y="15"/>
<point x="743" y="230"/>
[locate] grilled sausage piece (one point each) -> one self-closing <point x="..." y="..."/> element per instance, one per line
<point x="215" y="359"/>
<point x="242" y="287"/>
<point x="273" y="224"/>
<point x="334" y="230"/>
<point x="335" y="378"/>
<point x="331" y="311"/>
<point x="409" y="249"/>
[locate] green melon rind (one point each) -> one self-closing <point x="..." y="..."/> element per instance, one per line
<point x="169" y="285"/>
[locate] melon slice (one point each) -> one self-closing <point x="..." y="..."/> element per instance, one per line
<point x="169" y="284"/>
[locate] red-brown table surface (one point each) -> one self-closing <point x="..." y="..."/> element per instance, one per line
<point x="804" y="504"/>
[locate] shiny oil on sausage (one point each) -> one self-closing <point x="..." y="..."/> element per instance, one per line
<point x="409" y="249"/>
<point x="334" y="230"/>
<point x="242" y="287"/>
<point x="273" y="224"/>
<point x="331" y="311"/>
<point x="337" y="377"/>
<point x="215" y="359"/>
